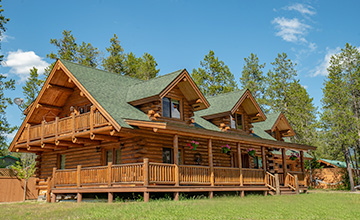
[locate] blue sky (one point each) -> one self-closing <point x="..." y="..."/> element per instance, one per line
<point x="179" y="33"/>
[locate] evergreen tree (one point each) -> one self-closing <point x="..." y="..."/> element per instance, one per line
<point x="32" y="87"/>
<point x="87" y="55"/>
<point x="67" y="47"/>
<point x="131" y="64"/>
<point x="339" y="119"/>
<point x="214" y="77"/>
<point x="115" y="61"/>
<point x="147" y="68"/>
<point x="302" y="115"/>
<point x="279" y="80"/>
<point x="252" y="78"/>
<point x="5" y="127"/>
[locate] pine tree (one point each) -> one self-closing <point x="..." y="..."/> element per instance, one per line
<point x="147" y="68"/>
<point x="5" y="127"/>
<point x="67" y="47"/>
<point x="252" y="78"/>
<point x="279" y="80"/>
<point x="214" y="77"/>
<point x="32" y="87"/>
<point x="339" y="119"/>
<point x="115" y="61"/>
<point x="87" y="55"/>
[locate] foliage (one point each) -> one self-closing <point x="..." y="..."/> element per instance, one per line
<point x="225" y="149"/>
<point x="320" y="205"/>
<point x="340" y="117"/>
<point x="252" y="78"/>
<point x="193" y="145"/>
<point x="213" y="77"/>
<point x="87" y="55"/>
<point x="25" y="168"/>
<point x="115" y="61"/>
<point x="3" y="21"/>
<point x="32" y="87"/>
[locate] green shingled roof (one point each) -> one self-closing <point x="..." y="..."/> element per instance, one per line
<point x="337" y="163"/>
<point x="109" y="90"/>
<point x="289" y="152"/>
<point x="260" y="132"/>
<point x="151" y="87"/>
<point x="221" y="103"/>
<point x="269" y="122"/>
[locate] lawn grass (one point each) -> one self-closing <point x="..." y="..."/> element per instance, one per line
<point x="304" y="206"/>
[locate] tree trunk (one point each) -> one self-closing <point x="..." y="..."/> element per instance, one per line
<point x="311" y="180"/>
<point x="348" y="166"/>
<point x="25" y="186"/>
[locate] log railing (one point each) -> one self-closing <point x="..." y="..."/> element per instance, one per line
<point x="226" y="175"/>
<point x="155" y="173"/>
<point x="301" y="177"/>
<point x="63" y="126"/>
<point x="270" y="181"/>
<point x="253" y="176"/>
<point x="290" y="181"/>
<point x="194" y="174"/>
<point x="161" y="173"/>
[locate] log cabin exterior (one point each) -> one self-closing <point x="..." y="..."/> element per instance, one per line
<point x="100" y="132"/>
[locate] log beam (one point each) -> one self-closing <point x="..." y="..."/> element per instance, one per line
<point x="104" y="137"/>
<point x="68" y="144"/>
<point x="49" y="107"/>
<point x="85" y="141"/>
<point x="60" y="88"/>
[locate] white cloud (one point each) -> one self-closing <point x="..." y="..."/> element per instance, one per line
<point x="291" y="30"/>
<point x="303" y="9"/>
<point x="20" y="63"/>
<point x="321" y="69"/>
<point x="10" y="136"/>
<point x="305" y="86"/>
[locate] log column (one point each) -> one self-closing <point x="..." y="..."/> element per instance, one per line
<point x="302" y="162"/>
<point x="283" y="154"/>
<point x="264" y="162"/>
<point x="146" y="179"/>
<point x="211" y="165"/>
<point x="176" y="163"/>
<point x="242" y="193"/>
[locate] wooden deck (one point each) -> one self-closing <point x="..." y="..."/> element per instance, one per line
<point x="160" y="177"/>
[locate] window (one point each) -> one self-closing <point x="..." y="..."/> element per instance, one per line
<point x="256" y="162"/>
<point x="236" y="122"/>
<point x="113" y="155"/>
<point x="239" y="121"/>
<point x="167" y="155"/>
<point x="61" y="161"/>
<point x="171" y="108"/>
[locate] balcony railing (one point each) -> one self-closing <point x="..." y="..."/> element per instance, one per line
<point x="149" y="173"/>
<point x="64" y="126"/>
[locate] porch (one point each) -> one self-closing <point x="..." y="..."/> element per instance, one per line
<point x="148" y="177"/>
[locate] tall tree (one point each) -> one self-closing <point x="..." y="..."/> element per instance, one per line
<point x="214" y="77"/>
<point x="252" y="78"/>
<point x="147" y="68"/>
<point x="87" y="55"/>
<point x="339" y="119"/>
<point x="302" y="115"/>
<point x="5" y="127"/>
<point x="115" y="61"/>
<point x="32" y="87"/>
<point x="279" y="80"/>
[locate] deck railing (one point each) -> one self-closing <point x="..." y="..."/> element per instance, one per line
<point x="149" y="173"/>
<point x="63" y="126"/>
<point x="290" y="181"/>
<point x="270" y="181"/>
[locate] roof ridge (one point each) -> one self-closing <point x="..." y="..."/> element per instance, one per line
<point x="222" y="94"/>
<point x="89" y="67"/>
<point x="161" y="76"/>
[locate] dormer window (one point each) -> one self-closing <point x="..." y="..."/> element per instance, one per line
<point x="237" y="121"/>
<point x="171" y="108"/>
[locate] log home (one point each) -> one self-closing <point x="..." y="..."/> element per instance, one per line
<point x="101" y="132"/>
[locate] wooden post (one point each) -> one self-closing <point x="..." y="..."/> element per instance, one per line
<point x="242" y="193"/>
<point x="263" y="159"/>
<point x="146" y="172"/>
<point x="78" y="175"/>
<point x="176" y="160"/>
<point x="265" y="193"/>
<point x="176" y="196"/>
<point x="240" y="164"/>
<point x="296" y="184"/>
<point x="146" y="196"/>
<point x="73" y="124"/>
<point x="110" y="197"/>
<point x="211" y="194"/>
<point x="48" y="189"/>
<point x="283" y="154"/>
<point x="277" y="183"/>
<point x="211" y="163"/>
<point x="56" y="129"/>
<point x="42" y="131"/>
<point x="79" y="197"/>
<point x="92" y="109"/>
<point x="53" y="178"/>
<point x="109" y="173"/>
<point x="302" y="162"/>
<point x="28" y="135"/>
<point x="53" y="197"/>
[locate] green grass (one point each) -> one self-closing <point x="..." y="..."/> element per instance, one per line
<point x="304" y="206"/>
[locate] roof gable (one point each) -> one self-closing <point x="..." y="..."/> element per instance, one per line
<point x="158" y="87"/>
<point x="228" y="103"/>
<point x="276" y="120"/>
